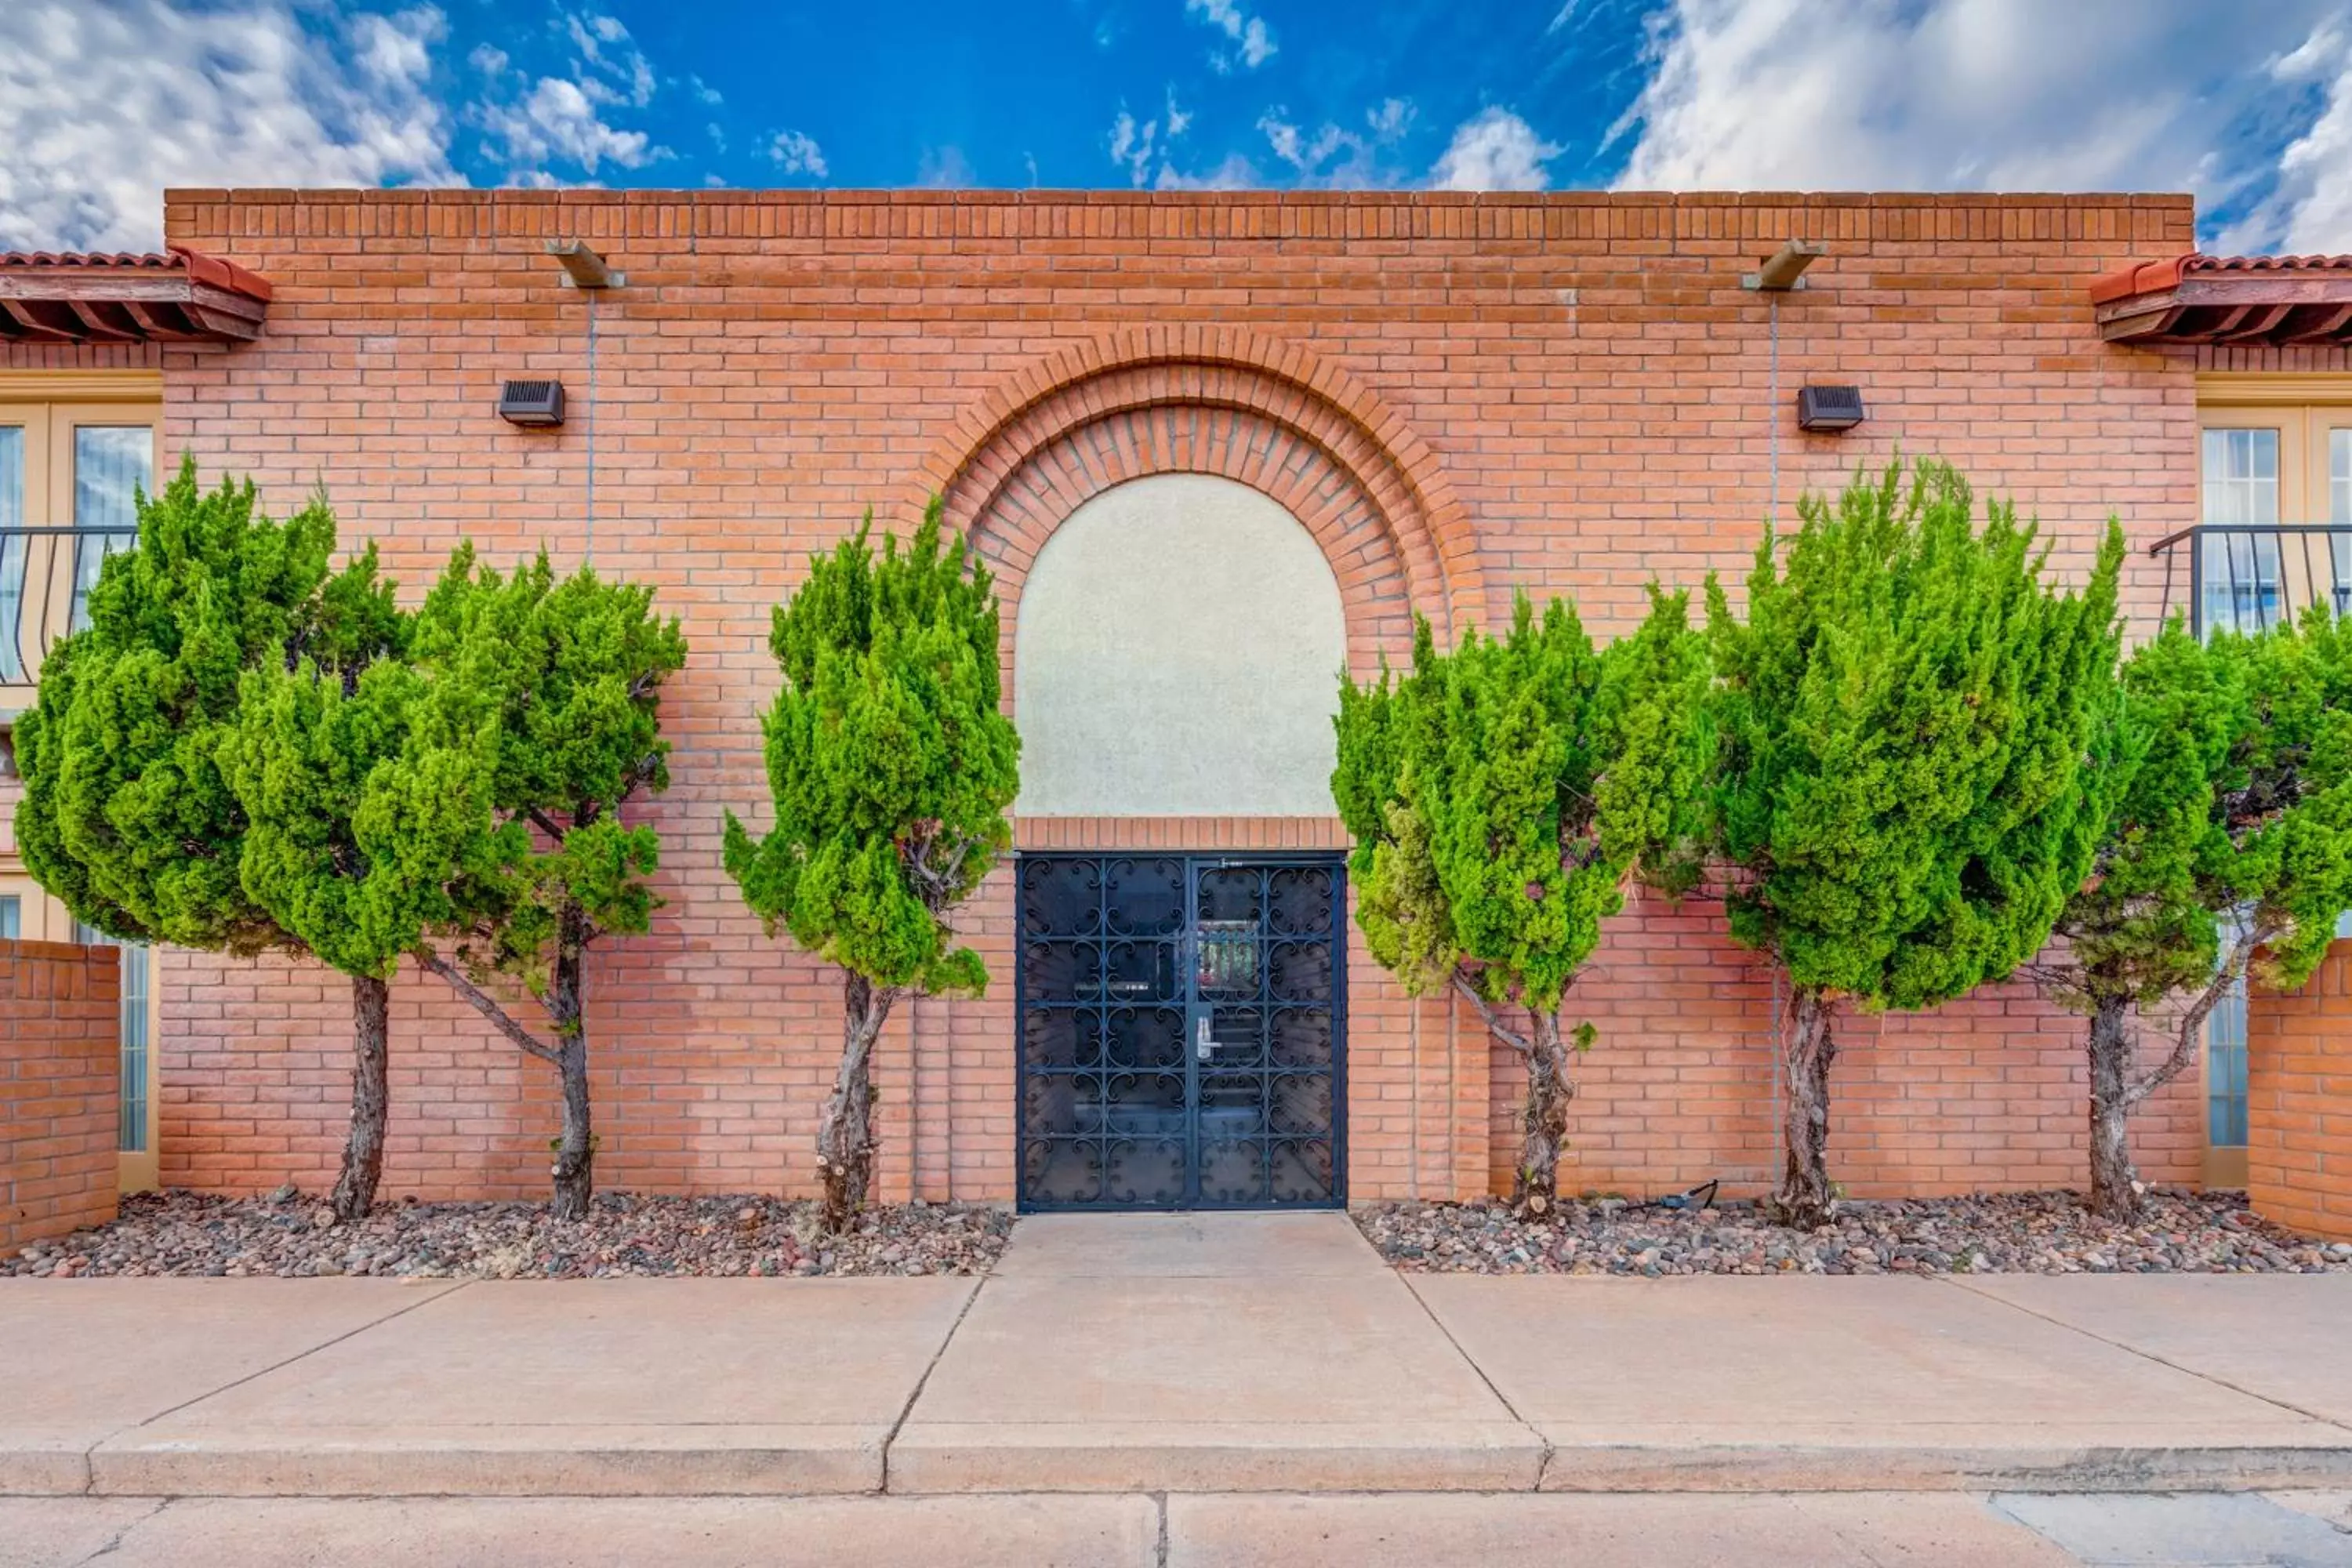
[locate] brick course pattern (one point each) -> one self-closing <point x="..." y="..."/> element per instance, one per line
<point x="2299" y="1102"/>
<point x="1459" y="396"/>
<point x="60" y="1084"/>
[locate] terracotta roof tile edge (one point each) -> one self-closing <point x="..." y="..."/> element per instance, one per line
<point x="213" y="270"/>
<point x="2155" y="277"/>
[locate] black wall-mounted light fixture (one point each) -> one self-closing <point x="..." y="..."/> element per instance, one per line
<point x="1825" y="410"/>
<point x="534" y="405"/>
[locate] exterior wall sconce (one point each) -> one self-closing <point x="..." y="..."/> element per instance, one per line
<point x="534" y="405"/>
<point x="1829" y="409"/>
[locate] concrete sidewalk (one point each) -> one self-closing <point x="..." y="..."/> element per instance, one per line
<point x="1176" y="1354"/>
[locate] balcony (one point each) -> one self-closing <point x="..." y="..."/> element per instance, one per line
<point x="2250" y="577"/>
<point x="45" y="577"/>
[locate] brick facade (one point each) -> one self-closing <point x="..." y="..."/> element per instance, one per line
<point x="60" y="1089"/>
<point x="2299" y="1102"/>
<point x="1459" y="396"/>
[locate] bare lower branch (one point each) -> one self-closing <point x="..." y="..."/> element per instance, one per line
<point x="1494" y="1026"/>
<point x="487" y="1006"/>
<point x="2190" y="1028"/>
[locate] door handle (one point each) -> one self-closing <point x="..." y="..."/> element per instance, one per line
<point x="1202" y="1044"/>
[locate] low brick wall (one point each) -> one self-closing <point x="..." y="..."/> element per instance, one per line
<point x="60" y="1050"/>
<point x="2299" y="1103"/>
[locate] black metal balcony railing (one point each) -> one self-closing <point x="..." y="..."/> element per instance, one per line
<point x="2250" y="577"/>
<point x="45" y="577"/>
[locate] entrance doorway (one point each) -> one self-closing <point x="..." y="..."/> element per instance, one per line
<point x="1183" y="1031"/>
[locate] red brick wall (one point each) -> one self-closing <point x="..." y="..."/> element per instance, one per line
<point x="2299" y="1102"/>
<point x="1566" y="394"/>
<point x="61" y="1081"/>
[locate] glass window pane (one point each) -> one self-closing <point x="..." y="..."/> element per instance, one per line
<point x="112" y="463"/>
<point x="2339" y="513"/>
<point x="13" y="550"/>
<point x="12" y="918"/>
<point x="2225" y="1072"/>
<point x="133" y="1138"/>
<point x="2241" y="477"/>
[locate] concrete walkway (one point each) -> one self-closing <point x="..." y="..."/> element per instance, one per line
<point x="1840" y="1529"/>
<point x="1178" y="1354"/>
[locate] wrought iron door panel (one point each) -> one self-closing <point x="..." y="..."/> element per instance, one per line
<point x="1181" y="1019"/>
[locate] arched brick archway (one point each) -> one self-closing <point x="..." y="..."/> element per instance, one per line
<point x="1229" y="403"/>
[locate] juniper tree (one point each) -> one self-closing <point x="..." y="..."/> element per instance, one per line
<point x="1499" y="797"/>
<point x="2226" y="850"/>
<point x="890" y="768"/>
<point x="128" y="816"/>
<point x="535" y="720"/>
<point x="1906" y="714"/>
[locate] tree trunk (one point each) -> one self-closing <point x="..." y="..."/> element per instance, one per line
<point x="845" y="1134"/>
<point x="1544" y="1124"/>
<point x="355" y="1186"/>
<point x="575" y="1150"/>
<point x="2114" y="1183"/>
<point x="1806" y="1052"/>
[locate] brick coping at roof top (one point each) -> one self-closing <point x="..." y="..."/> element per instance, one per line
<point x="889" y="196"/>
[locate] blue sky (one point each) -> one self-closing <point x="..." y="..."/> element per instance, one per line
<point x="2249" y="105"/>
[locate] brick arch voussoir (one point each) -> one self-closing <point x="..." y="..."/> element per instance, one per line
<point x="1227" y="367"/>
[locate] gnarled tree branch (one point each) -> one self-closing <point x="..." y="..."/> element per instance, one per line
<point x="487" y="1006"/>
<point x="1516" y="1039"/>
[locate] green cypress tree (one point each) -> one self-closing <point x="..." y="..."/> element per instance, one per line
<point x="129" y="815"/>
<point x="2227" y="851"/>
<point x="534" y="720"/>
<point x="1499" y="797"/>
<point x="890" y="768"/>
<point x="1906" y="714"/>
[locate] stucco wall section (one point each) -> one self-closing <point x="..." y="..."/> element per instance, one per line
<point x="1181" y="642"/>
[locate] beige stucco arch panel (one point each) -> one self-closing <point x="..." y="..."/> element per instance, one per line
<point x="1178" y="654"/>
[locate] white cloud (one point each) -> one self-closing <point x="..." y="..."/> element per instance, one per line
<point x="558" y="119"/>
<point x="1494" y="149"/>
<point x="1999" y="95"/>
<point x="1335" y="157"/>
<point x="529" y="122"/>
<point x="1252" y="43"/>
<point x="793" y="152"/>
<point x="2310" y="208"/>
<point x="104" y="103"/>
<point x="945" y="169"/>
<point x="1236" y="174"/>
<point x="704" y="93"/>
<point x="1133" y="144"/>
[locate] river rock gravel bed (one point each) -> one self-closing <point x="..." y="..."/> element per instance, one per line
<point x="292" y="1236"/>
<point x="2009" y="1233"/>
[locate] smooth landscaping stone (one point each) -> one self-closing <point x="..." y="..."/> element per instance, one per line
<point x="594" y="1386"/>
<point x="2139" y="1532"/>
<point x="622" y="1533"/>
<point x="2281" y="1336"/>
<point x="1723" y="1384"/>
<point x="1157" y="1382"/>
<point x="82" y="1360"/>
<point x="1155" y="1246"/>
<point x="1950" y="1529"/>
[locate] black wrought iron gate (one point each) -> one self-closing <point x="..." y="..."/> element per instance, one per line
<point x="1183" y="1031"/>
